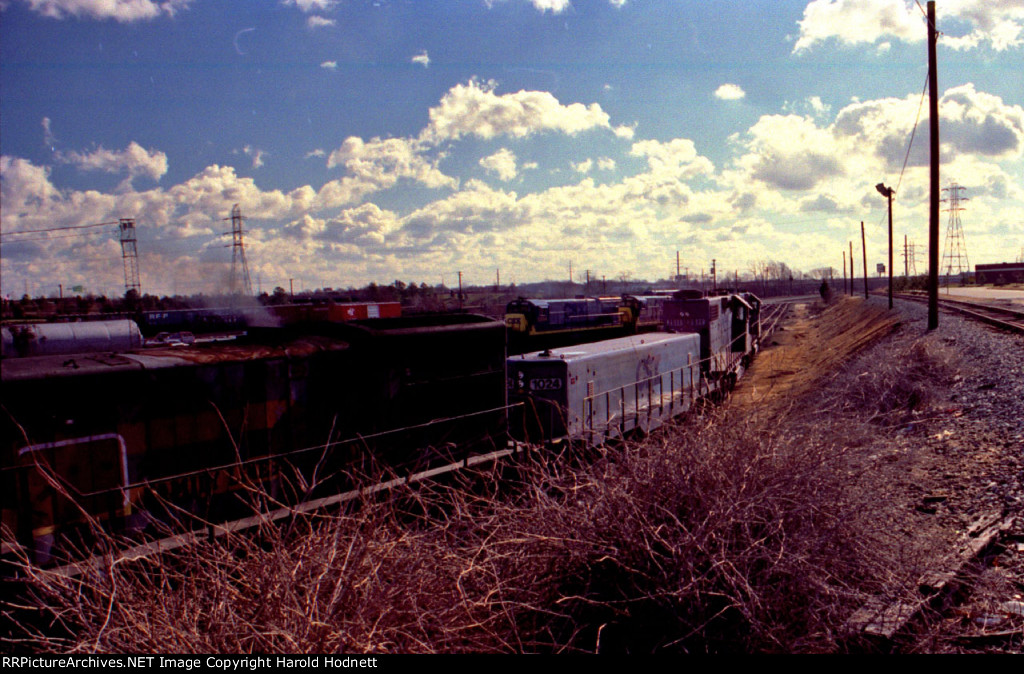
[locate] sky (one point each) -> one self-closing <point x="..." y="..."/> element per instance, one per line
<point x="415" y="139"/>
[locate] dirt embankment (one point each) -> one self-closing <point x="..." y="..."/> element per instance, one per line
<point x="814" y="343"/>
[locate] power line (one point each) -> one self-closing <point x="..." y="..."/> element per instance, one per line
<point x="59" y="229"/>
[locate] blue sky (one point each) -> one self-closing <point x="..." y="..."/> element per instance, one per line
<point x="374" y="141"/>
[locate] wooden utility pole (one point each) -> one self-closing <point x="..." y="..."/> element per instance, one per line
<point x="852" y="275"/>
<point x="844" y="272"/>
<point x="933" y="214"/>
<point x="864" y="248"/>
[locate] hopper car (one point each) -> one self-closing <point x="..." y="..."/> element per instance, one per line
<point x="604" y="389"/>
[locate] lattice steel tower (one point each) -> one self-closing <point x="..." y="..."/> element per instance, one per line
<point x="129" y="255"/>
<point x="954" y="256"/>
<point x="239" y="283"/>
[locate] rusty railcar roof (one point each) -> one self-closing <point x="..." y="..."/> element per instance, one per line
<point x="43" y="367"/>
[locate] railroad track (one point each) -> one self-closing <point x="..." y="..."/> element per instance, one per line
<point x="773" y="315"/>
<point x="999" y="317"/>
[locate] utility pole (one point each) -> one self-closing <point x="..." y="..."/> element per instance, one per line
<point x="933" y="213"/>
<point x="677" y="267"/>
<point x="851" y="268"/>
<point x="844" y="272"/>
<point x="460" y="291"/>
<point x="864" y="248"/>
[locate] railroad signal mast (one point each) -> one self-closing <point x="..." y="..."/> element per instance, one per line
<point x="954" y="258"/>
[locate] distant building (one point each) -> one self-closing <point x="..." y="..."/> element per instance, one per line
<point x="1005" y="272"/>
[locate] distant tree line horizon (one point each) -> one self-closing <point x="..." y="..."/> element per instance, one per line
<point x="765" y="278"/>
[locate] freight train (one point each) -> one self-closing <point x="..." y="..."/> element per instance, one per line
<point x="126" y="437"/>
<point x="607" y="389"/>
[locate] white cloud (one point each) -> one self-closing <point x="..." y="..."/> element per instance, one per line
<point x="422" y="59"/>
<point x="377" y="165"/>
<point x="606" y="164"/>
<point x="308" y="6"/>
<point x="133" y="160"/>
<point x="48" y="138"/>
<point x="625" y="132"/>
<point x="730" y="92"/>
<point x="473" y="109"/>
<point x="319" y="152"/>
<point x="502" y="163"/>
<point x="854" y="22"/>
<point x="789" y="152"/>
<point x="123" y="11"/>
<point x="329" y="65"/>
<point x="255" y="154"/>
<point x="583" y="166"/>
<point x="317" y="21"/>
<point x="553" y="6"/>
<point x="998" y="23"/>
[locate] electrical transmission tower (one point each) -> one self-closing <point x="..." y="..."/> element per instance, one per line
<point x="239" y="283"/>
<point x="130" y="256"/>
<point x="955" y="255"/>
<point x="910" y="256"/>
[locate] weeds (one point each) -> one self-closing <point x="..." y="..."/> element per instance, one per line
<point x="723" y="533"/>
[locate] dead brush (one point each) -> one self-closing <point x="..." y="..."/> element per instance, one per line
<point x="891" y="390"/>
<point x="718" y="537"/>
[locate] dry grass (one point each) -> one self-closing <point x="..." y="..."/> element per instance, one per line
<point x="730" y="532"/>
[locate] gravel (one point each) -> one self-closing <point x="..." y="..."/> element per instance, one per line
<point x="957" y="458"/>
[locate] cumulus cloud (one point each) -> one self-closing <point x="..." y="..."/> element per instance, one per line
<point x="255" y="154"/>
<point x="317" y="21"/>
<point x="475" y="208"/>
<point x="677" y="157"/>
<point x="979" y="123"/>
<point x="364" y="225"/>
<point x="329" y="65"/>
<point x="553" y="6"/>
<point x="379" y="164"/>
<point x="582" y="166"/>
<point x="133" y="160"/>
<point x="502" y="163"/>
<point x="48" y="138"/>
<point x="123" y="11"/>
<point x="308" y="6"/>
<point x="473" y="109"/>
<point x="730" y="92"/>
<point x="319" y="152"/>
<point x="790" y="152"/>
<point x="972" y="122"/>
<point x="422" y="59"/>
<point x="999" y="24"/>
<point x="606" y="164"/>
